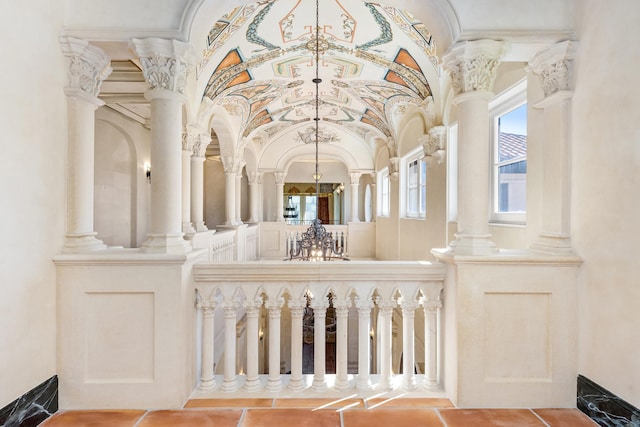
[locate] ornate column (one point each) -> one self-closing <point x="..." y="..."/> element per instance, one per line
<point x="255" y="181"/>
<point x="554" y="67"/>
<point x="297" y="311"/>
<point x="165" y="65"/>
<point x="364" y="346"/>
<point x="252" y="309"/>
<point x="197" y="181"/>
<point x="189" y="137"/>
<point x="473" y="66"/>
<point x="88" y="67"/>
<point x="230" y="382"/>
<point x="319" y="306"/>
<point x="385" y="313"/>
<point x="239" y="195"/>
<point x="374" y="197"/>
<point x="408" y="344"/>
<point x="279" y="195"/>
<point x="431" y="308"/>
<point x="355" y="183"/>
<point x="342" y="312"/>
<point x="207" y="379"/>
<point x="231" y="167"/>
<point x="274" y="306"/>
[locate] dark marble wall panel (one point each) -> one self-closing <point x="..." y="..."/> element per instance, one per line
<point x="33" y="407"/>
<point x="604" y="407"/>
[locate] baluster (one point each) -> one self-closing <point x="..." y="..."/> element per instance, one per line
<point x="364" y="345"/>
<point x="297" y="311"/>
<point x="275" y="380"/>
<point x="385" y="313"/>
<point x="252" y="308"/>
<point x="342" y="313"/>
<point x="207" y="379"/>
<point x="431" y="308"/>
<point x="319" y="306"/>
<point x="408" y="344"/>
<point x="230" y="382"/>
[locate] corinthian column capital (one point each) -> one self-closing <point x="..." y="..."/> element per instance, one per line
<point x="165" y="63"/>
<point x="88" y="67"/>
<point x="190" y="137"/>
<point x="554" y="67"/>
<point x="473" y="64"/>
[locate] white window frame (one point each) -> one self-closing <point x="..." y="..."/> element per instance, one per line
<point x="384" y="193"/>
<point x="502" y="104"/>
<point x="416" y="157"/>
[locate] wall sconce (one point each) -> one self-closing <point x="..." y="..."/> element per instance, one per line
<point x="341" y="187"/>
<point x="147" y="172"/>
<point x="316" y="176"/>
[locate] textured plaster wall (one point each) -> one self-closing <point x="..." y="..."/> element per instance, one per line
<point x="605" y="217"/>
<point x="32" y="161"/>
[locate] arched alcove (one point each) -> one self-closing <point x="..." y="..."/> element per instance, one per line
<point x="115" y="186"/>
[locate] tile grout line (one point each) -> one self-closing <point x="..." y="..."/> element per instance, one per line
<point x="540" y="418"/>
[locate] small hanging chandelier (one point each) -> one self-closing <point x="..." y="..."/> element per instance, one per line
<point x="316" y="244"/>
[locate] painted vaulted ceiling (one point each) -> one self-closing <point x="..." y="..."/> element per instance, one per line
<point x="259" y="64"/>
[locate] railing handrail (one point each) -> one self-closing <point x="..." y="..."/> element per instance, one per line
<point x="358" y="271"/>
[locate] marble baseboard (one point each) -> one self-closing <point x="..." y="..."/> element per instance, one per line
<point x="604" y="407"/>
<point x="33" y="407"/>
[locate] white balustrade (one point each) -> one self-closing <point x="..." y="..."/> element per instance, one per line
<point x="222" y="246"/>
<point x="322" y="295"/>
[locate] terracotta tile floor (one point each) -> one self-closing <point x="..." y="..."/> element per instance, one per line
<point x="310" y="412"/>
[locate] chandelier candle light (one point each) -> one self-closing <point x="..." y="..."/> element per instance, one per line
<point x="316" y="244"/>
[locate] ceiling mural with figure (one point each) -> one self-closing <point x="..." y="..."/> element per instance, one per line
<point x="261" y="60"/>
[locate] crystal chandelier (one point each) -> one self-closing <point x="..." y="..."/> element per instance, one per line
<point x="316" y="244"/>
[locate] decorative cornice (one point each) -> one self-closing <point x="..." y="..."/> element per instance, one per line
<point x="88" y="65"/>
<point x="165" y="63"/>
<point x="472" y="65"/>
<point x="554" y="67"/>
